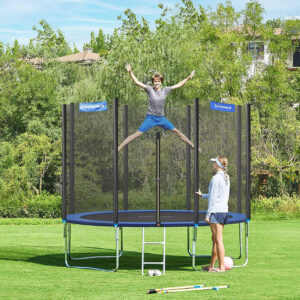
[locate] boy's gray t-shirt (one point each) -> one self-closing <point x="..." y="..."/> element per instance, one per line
<point x="157" y="100"/>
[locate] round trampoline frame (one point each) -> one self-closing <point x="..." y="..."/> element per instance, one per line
<point x="146" y="218"/>
<point x="149" y="218"/>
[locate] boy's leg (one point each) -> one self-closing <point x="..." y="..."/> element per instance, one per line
<point x="145" y="126"/>
<point x="130" y="139"/>
<point x="182" y="137"/>
<point x="167" y="124"/>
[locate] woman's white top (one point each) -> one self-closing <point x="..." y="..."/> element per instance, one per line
<point x="218" y="193"/>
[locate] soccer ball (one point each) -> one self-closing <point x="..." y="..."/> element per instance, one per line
<point x="228" y="263"/>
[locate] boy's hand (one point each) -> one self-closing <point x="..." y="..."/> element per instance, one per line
<point x="128" y="67"/>
<point x="192" y="74"/>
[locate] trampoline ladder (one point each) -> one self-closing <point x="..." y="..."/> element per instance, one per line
<point x="163" y="263"/>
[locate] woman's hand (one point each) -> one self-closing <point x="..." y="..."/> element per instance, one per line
<point x="192" y="74"/>
<point x="128" y="67"/>
<point x="199" y="193"/>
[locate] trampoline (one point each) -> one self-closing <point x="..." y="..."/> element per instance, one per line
<point x="146" y="218"/>
<point x="155" y="183"/>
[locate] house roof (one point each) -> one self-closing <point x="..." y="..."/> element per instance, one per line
<point x="80" y="57"/>
<point x="85" y="58"/>
<point x="249" y="31"/>
<point x="35" y="62"/>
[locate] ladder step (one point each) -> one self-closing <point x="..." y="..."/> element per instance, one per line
<point x="163" y="243"/>
<point x="154" y="243"/>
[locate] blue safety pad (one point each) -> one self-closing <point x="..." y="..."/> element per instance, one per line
<point x="105" y="218"/>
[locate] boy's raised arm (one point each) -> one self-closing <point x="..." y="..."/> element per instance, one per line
<point x="136" y="81"/>
<point x="181" y="83"/>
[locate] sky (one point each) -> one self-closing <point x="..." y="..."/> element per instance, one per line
<point x="78" y="18"/>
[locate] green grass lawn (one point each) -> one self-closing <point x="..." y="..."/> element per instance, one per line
<point x="32" y="263"/>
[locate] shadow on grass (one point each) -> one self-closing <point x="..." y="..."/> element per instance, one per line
<point x="130" y="260"/>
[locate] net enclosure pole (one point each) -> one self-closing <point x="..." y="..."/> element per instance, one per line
<point x="125" y="159"/>
<point x="158" y="178"/>
<point x="196" y="159"/>
<point x="248" y="160"/>
<point x="188" y="159"/>
<point x="115" y="161"/>
<point x="72" y="159"/>
<point x="64" y="166"/>
<point x="239" y="158"/>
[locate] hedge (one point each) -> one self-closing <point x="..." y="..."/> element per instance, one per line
<point x="42" y="206"/>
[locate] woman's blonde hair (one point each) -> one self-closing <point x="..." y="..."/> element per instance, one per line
<point x="224" y="161"/>
<point x="157" y="76"/>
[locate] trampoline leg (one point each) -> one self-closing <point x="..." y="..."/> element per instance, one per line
<point x="67" y="237"/>
<point x="194" y="248"/>
<point x="188" y="245"/>
<point x="246" y="246"/>
<point x="143" y="243"/>
<point x="117" y="249"/>
<point x="241" y="229"/>
<point x="66" y="243"/>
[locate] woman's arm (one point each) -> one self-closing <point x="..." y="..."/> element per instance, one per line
<point x="181" y="83"/>
<point x="212" y="194"/>
<point x="201" y="194"/>
<point x="136" y="81"/>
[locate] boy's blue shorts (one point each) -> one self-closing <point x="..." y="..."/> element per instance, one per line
<point x="218" y="218"/>
<point x="151" y="121"/>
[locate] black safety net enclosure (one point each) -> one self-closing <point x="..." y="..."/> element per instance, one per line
<point x="152" y="181"/>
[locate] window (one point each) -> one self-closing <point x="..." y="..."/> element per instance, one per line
<point x="256" y="50"/>
<point x="296" y="57"/>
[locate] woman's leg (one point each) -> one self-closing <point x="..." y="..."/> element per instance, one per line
<point x="182" y="137"/>
<point x="218" y="229"/>
<point x="214" y="253"/>
<point x="220" y="247"/>
<point x="130" y="139"/>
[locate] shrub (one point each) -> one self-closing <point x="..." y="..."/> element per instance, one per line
<point x="42" y="206"/>
<point x="283" y="206"/>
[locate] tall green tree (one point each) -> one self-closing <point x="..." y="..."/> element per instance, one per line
<point x="28" y="101"/>
<point x="98" y="44"/>
<point x="25" y="164"/>
<point x="51" y="43"/>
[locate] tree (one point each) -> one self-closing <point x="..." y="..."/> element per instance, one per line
<point x="51" y="43"/>
<point x="28" y="95"/>
<point x="1" y="49"/>
<point x="26" y="162"/>
<point x="132" y="27"/>
<point x="98" y="44"/>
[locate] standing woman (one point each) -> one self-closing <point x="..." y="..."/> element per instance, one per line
<point x="155" y="115"/>
<point x="217" y="212"/>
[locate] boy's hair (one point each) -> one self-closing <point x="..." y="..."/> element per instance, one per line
<point x="157" y="76"/>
